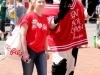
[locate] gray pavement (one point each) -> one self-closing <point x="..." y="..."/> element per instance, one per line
<point x="1" y="46"/>
<point x="91" y="30"/>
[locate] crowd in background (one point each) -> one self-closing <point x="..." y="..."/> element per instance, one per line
<point x="9" y="12"/>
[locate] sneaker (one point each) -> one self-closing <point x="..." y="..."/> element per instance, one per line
<point x="4" y="39"/>
<point x="5" y="35"/>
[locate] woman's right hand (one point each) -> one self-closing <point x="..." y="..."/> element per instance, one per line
<point x="25" y="57"/>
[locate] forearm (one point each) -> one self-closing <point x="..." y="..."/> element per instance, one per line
<point x="23" y="33"/>
<point x="46" y="45"/>
<point x="11" y="11"/>
<point x="24" y="44"/>
<point x="46" y="49"/>
<point x="86" y="14"/>
<point x="63" y="10"/>
<point x="52" y="24"/>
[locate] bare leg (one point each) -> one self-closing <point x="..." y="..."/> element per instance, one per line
<point x="1" y="33"/>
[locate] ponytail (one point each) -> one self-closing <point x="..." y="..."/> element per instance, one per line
<point x="31" y="7"/>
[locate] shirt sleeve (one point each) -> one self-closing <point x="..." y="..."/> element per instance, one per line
<point x="25" y="19"/>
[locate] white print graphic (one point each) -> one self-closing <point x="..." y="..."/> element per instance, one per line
<point x="74" y="13"/>
<point x="34" y="21"/>
<point x="77" y="37"/>
<point x="39" y="25"/>
<point x="36" y="24"/>
<point x="77" y="26"/>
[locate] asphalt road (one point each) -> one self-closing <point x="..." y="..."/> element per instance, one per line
<point x="90" y="28"/>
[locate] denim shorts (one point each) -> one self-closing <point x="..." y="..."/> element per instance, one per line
<point x="39" y="59"/>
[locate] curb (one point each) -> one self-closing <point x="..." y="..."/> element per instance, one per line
<point x="2" y="56"/>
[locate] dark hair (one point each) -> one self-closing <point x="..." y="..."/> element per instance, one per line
<point x="49" y="1"/>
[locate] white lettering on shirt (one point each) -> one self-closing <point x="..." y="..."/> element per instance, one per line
<point x="36" y="24"/>
<point x="77" y="26"/>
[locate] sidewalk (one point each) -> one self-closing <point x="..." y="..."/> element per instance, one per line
<point x="88" y="63"/>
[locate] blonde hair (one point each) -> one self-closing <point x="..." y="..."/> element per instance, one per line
<point x="31" y="6"/>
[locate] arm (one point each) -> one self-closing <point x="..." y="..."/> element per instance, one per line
<point x="13" y="10"/>
<point x="46" y="45"/>
<point x="47" y="48"/>
<point x="86" y="14"/>
<point x="23" y="32"/>
<point x="52" y="24"/>
<point x="63" y="10"/>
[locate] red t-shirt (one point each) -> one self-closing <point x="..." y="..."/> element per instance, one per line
<point x="70" y="31"/>
<point x="37" y="32"/>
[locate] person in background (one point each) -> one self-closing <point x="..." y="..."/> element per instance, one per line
<point x="94" y="12"/>
<point x="68" y="35"/>
<point x="11" y="14"/>
<point x="98" y="32"/>
<point x="98" y="7"/>
<point x="20" y="10"/>
<point x="2" y="19"/>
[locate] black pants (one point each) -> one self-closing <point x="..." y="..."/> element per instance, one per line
<point x="2" y="26"/>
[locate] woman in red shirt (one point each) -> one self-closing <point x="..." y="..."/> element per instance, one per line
<point x="34" y="31"/>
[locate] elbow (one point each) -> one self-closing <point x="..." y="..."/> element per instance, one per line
<point x="52" y="27"/>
